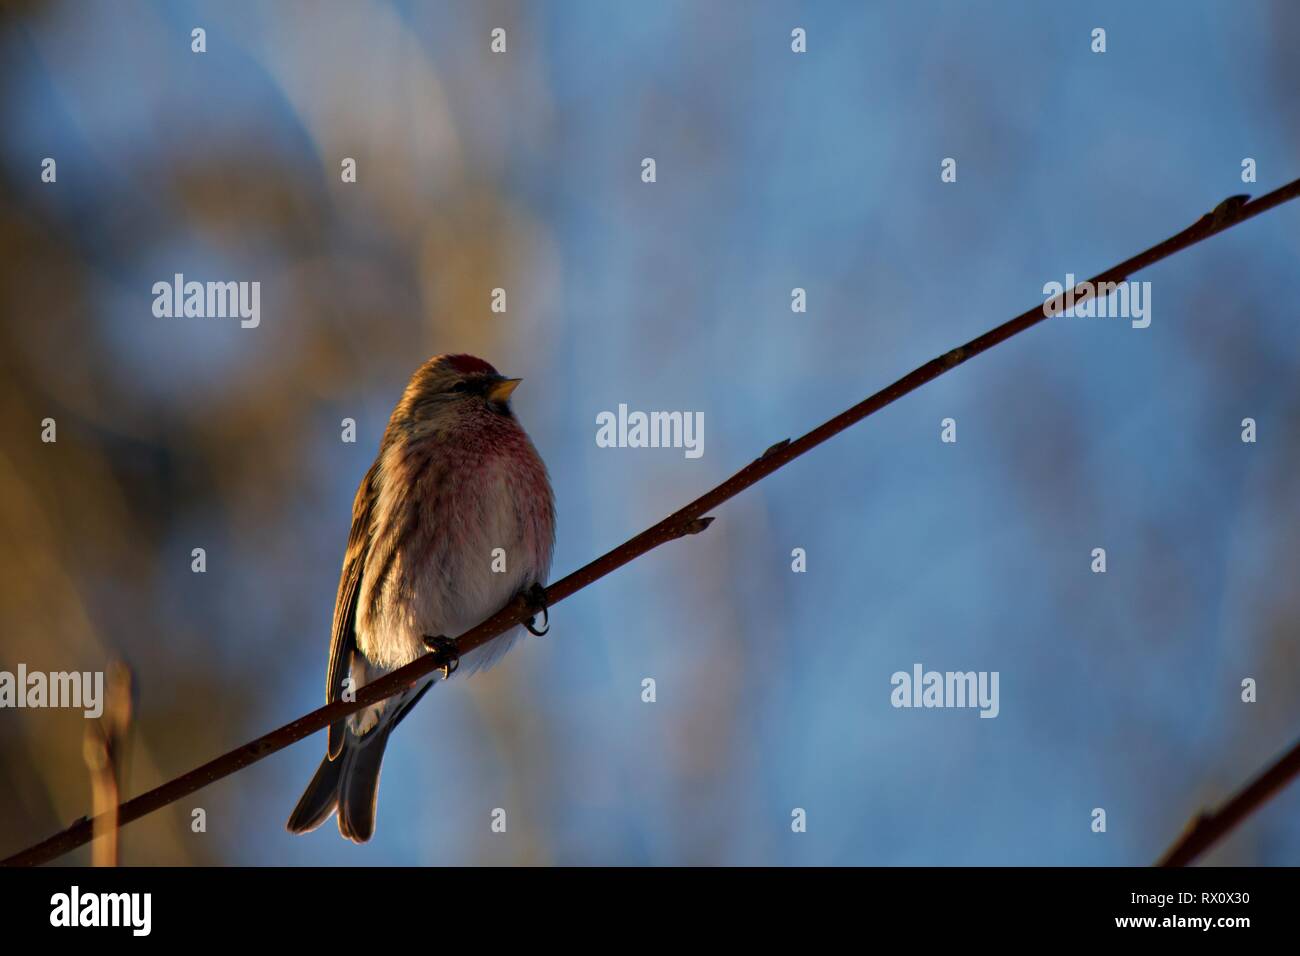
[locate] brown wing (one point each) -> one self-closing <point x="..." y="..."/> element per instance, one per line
<point x="343" y="642"/>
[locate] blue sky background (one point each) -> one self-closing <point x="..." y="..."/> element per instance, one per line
<point x="775" y="170"/>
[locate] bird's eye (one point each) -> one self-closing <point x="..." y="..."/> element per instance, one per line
<point x="460" y="386"/>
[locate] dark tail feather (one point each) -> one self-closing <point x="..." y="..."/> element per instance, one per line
<point x="350" y="783"/>
<point x="358" y="791"/>
<point x="319" y="799"/>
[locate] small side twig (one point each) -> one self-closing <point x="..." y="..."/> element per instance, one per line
<point x="103" y="749"/>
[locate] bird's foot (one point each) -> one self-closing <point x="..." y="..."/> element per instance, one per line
<point x="437" y="643"/>
<point x="535" y="598"/>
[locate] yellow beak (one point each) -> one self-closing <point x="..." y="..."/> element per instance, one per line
<point x="500" y="391"/>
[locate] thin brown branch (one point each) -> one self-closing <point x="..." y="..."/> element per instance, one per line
<point x="689" y="520"/>
<point x="1206" y="829"/>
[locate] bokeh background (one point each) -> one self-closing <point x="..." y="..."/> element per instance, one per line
<point x="775" y="170"/>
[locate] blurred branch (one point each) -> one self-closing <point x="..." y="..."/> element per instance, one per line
<point x="103" y="748"/>
<point x="689" y="520"/>
<point x="1206" y="829"/>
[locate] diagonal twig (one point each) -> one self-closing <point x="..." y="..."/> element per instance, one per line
<point x="1206" y="829"/>
<point x="689" y="520"/>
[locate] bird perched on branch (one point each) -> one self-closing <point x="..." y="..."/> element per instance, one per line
<point x="456" y="479"/>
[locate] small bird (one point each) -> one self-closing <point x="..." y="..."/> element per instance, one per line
<point x="456" y="478"/>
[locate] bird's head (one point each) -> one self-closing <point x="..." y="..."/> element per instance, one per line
<point x="454" y="388"/>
